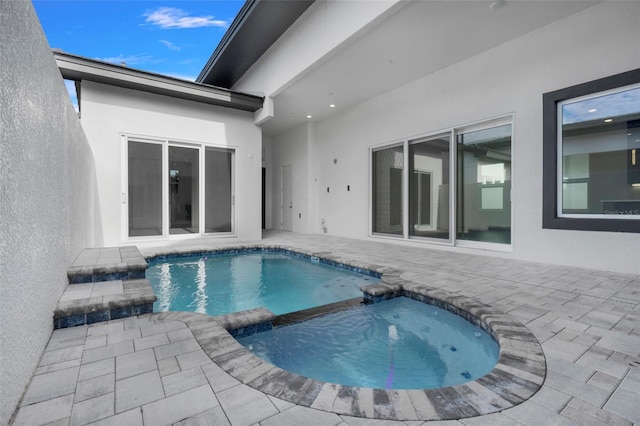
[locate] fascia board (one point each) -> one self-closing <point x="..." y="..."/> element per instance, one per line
<point x="76" y="68"/>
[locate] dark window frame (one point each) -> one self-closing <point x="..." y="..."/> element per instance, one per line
<point x="550" y="101"/>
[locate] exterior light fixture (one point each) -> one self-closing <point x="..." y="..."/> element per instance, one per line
<point x="309" y="116"/>
<point x="332" y="106"/>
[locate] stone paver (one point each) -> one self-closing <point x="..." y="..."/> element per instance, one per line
<point x="150" y="370"/>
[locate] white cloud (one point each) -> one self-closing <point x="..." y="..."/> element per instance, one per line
<point x="170" y="17"/>
<point x="171" y="46"/>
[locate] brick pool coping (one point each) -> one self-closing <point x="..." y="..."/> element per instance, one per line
<point x="518" y="375"/>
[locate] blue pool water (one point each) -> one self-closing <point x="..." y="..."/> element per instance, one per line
<point x="395" y="344"/>
<point x="224" y="283"/>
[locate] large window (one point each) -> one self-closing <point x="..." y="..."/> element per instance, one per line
<point x="177" y="188"/>
<point x="420" y="191"/>
<point x="592" y="155"/>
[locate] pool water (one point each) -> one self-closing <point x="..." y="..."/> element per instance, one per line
<point x="395" y="344"/>
<point x="224" y="283"/>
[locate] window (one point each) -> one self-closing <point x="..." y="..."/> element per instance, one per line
<point x="388" y="165"/>
<point x="591" y="178"/>
<point x="484" y="185"/>
<point x="177" y="188"/>
<point x="417" y="194"/>
<point x="429" y="187"/>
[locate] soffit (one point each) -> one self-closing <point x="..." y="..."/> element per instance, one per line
<point x="418" y="39"/>
<point x="258" y="25"/>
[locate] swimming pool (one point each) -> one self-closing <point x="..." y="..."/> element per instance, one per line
<point x="218" y="284"/>
<point x="395" y="344"/>
<point x="518" y="374"/>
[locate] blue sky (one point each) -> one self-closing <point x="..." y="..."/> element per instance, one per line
<point x="174" y="38"/>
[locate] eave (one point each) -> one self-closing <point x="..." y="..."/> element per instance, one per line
<point x="79" y="68"/>
<point x="256" y="27"/>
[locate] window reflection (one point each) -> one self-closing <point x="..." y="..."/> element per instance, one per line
<point x="600" y="145"/>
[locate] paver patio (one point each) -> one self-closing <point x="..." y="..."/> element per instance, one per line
<point x="151" y="370"/>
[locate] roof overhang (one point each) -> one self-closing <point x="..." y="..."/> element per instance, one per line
<point x="256" y="27"/>
<point x="79" y="68"/>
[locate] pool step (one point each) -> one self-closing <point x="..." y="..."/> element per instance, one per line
<point x="89" y="303"/>
<point x="105" y="284"/>
<point x="107" y="264"/>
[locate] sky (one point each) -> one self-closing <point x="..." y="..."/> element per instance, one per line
<point x="174" y="38"/>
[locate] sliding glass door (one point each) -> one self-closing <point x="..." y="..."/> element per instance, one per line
<point x="453" y="187"/>
<point x="218" y="190"/>
<point x="484" y="185"/>
<point x="184" y="195"/>
<point x="388" y="166"/>
<point x="178" y="189"/>
<point x="429" y="187"/>
<point x="145" y="189"/>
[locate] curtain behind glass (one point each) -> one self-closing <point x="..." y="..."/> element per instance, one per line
<point x="218" y="190"/>
<point x="145" y="189"/>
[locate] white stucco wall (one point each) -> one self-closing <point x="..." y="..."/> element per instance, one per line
<point x="511" y="78"/>
<point x="46" y="199"/>
<point x="107" y="112"/>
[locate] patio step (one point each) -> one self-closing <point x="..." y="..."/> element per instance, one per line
<point x="105" y="284"/>
<point x="89" y="303"/>
<point x="107" y="264"/>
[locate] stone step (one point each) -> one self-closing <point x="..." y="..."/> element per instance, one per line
<point x="93" y="302"/>
<point x="107" y="264"/>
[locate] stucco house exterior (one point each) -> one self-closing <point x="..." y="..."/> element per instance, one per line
<point x="459" y="126"/>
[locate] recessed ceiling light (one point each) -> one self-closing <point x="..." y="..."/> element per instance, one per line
<point x="608" y="120"/>
<point x="497" y="5"/>
<point x="332" y="106"/>
<point x="309" y="116"/>
<point x="593" y="110"/>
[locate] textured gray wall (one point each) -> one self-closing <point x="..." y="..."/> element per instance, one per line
<point x="46" y="195"/>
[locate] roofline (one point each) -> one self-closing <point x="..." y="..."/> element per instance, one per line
<point x="73" y="67"/>
<point x="258" y="24"/>
<point x="228" y="36"/>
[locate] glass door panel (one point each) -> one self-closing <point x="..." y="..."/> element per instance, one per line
<point x="218" y="190"/>
<point x="388" y="165"/>
<point x="145" y="188"/>
<point x="184" y="192"/>
<point x="484" y="185"/>
<point x="429" y="188"/>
